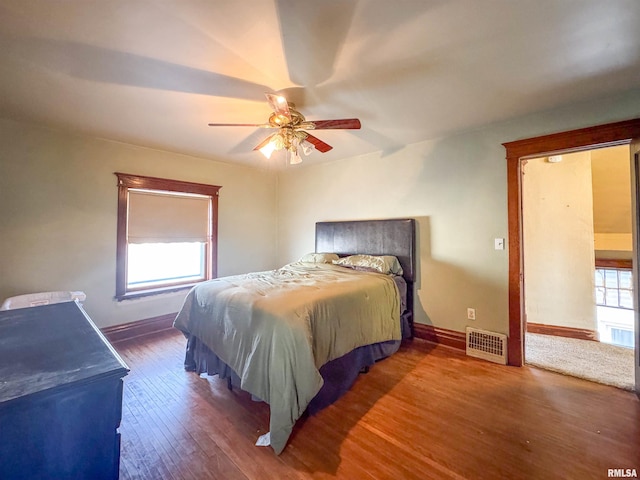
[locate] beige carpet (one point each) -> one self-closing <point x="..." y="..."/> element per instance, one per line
<point x="595" y="361"/>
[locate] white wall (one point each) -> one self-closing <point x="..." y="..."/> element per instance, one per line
<point x="557" y="230"/>
<point x="457" y="189"/>
<point x="58" y="200"/>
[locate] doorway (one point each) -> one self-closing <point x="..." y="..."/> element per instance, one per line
<point x="576" y="215"/>
<point x="620" y="133"/>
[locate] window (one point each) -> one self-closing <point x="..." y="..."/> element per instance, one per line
<point x="614" y="287"/>
<point x="622" y="337"/>
<point x="166" y="235"/>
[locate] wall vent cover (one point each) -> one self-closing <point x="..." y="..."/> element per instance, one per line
<point x="487" y="345"/>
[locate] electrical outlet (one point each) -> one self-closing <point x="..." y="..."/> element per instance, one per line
<point x="471" y="313"/>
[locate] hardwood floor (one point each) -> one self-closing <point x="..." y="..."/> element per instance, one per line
<point x="428" y="412"/>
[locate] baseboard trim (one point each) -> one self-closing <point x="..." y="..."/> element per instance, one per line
<point x="442" y="336"/>
<point x="558" y="331"/>
<point x="139" y="328"/>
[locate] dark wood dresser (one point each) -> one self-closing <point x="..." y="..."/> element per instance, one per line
<point x="60" y="396"/>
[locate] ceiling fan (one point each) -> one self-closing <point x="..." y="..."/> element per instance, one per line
<point x="291" y="134"/>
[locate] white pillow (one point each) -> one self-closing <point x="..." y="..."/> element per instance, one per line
<point x="319" y="258"/>
<point x="387" y="264"/>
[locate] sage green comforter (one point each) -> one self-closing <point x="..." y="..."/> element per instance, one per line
<point x="275" y="329"/>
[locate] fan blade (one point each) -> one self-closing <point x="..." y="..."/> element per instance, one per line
<point x="256" y="125"/>
<point x="279" y="105"/>
<point x="264" y="142"/>
<point x="346" y="123"/>
<point x="319" y="144"/>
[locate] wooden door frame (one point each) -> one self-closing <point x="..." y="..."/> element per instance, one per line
<point x="634" y="154"/>
<point x="608" y="135"/>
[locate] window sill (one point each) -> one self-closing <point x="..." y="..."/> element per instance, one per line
<point x="154" y="291"/>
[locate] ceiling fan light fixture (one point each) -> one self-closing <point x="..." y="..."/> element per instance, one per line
<point x="292" y="126"/>
<point x="269" y="148"/>
<point x="307" y="148"/>
<point x="294" y="156"/>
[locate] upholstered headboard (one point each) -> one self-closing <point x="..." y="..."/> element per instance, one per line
<point x="374" y="237"/>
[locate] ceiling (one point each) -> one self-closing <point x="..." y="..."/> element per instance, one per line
<point x="155" y="72"/>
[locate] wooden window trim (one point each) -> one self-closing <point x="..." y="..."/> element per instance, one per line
<point x="620" y="264"/>
<point x="127" y="181"/>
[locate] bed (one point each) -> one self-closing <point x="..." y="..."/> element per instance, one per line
<point x="297" y="337"/>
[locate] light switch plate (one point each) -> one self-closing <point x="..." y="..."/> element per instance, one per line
<point x="499" y="243"/>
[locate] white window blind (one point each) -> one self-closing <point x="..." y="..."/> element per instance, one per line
<point x="164" y="217"/>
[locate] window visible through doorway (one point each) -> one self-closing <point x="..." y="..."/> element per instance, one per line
<point x="622" y="337"/>
<point x="166" y="236"/>
<point x="614" y="303"/>
<point x="614" y="287"/>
